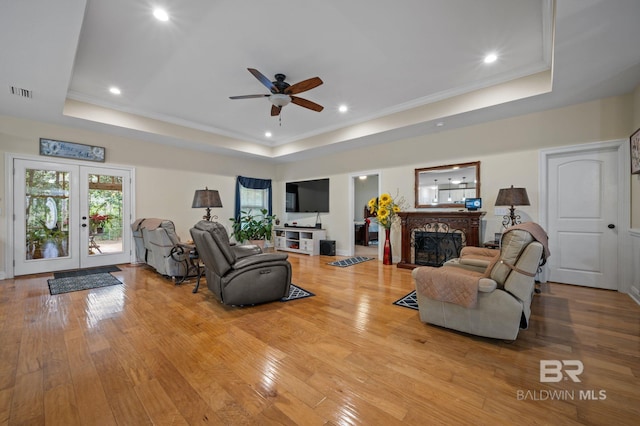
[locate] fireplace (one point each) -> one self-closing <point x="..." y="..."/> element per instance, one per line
<point x="433" y="248"/>
<point x="431" y="237"/>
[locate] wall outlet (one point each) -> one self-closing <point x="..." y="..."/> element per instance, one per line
<point x="501" y="211"/>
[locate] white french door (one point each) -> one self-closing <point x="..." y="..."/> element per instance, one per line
<point x="69" y="216"/>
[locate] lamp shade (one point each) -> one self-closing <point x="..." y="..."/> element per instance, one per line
<point x="206" y="198"/>
<point x="512" y="197"/>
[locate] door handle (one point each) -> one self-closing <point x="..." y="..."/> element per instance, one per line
<point x="611" y="226"/>
<point x="84" y="225"/>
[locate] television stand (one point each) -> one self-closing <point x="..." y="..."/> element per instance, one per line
<point x="301" y="239"/>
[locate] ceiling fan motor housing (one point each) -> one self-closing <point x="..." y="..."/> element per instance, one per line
<point x="280" y="83"/>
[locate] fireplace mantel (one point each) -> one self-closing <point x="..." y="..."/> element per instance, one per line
<point x="466" y="221"/>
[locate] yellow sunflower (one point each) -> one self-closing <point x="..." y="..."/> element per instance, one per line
<point x="385" y="199"/>
<point x="372" y="205"/>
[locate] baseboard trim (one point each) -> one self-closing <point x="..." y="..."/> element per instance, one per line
<point x="634" y="293"/>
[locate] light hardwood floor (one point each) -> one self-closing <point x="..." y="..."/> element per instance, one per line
<point x="150" y="352"/>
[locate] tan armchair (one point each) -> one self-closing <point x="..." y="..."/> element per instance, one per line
<point x="491" y="301"/>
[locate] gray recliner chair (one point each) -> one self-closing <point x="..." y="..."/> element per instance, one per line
<point x="157" y="245"/>
<point x="240" y="275"/>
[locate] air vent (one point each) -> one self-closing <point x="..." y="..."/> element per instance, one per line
<point x="24" y="93"/>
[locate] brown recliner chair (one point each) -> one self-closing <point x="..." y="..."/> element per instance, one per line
<point x="240" y="275"/>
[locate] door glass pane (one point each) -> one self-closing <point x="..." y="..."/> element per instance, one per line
<point x="46" y="214"/>
<point x="105" y="214"/>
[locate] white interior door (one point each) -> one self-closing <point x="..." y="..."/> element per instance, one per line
<point x="53" y="203"/>
<point x="583" y="213"/>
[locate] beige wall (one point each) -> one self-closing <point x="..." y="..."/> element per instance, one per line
<point x="635" y="179"/>
<point x="508" y="150"/>
<point x="166" y="177"/>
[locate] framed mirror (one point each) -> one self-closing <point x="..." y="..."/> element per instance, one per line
<point x="447" y="186"/>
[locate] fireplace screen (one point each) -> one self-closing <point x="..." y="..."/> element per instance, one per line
<point x="436" y="244"/>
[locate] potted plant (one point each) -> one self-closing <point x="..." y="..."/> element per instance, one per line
<point x="98" y="221"/>
<point x="43" y="242"/>
<point x="253" y="228"/>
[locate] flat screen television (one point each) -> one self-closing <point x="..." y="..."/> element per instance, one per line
<point x="307" y="196"/>
<point x="473" y="204"/>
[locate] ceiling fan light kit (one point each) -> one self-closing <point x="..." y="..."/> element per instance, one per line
<point x="281" y="92"/>
<point x="280" y="100"/>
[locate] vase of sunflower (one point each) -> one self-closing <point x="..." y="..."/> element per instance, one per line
<point x="386" y="210"/>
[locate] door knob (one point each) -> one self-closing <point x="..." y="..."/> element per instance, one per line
<point x="84" y="225"/>
<point x="611" y="226"/>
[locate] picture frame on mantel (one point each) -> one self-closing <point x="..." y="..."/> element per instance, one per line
<point x="76" y="151"/>
<point x="635" y="152"/>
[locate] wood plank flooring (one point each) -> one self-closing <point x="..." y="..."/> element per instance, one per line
<point x="151" y="352"/>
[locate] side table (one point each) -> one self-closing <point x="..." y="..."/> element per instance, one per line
<point x="491" y="244"/>
<point x="194" y="261"/>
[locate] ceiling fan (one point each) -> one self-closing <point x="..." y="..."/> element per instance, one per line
<point x="282" y="92"/>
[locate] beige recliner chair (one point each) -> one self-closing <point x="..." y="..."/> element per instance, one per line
<point x="240" y="275"/>
<point x="492" y="303"/>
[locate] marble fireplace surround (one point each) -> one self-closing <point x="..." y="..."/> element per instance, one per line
<point x="465" y="222"/>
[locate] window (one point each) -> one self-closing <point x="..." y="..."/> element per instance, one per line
<point x="253" y="199"/>
<point x="252" y="194"/>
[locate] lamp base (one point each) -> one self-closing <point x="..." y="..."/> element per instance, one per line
<point x="208" y="216"/>
<point x="511" y="219"/>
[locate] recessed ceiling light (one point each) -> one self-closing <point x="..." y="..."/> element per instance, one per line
<point x="267" y="134"/>
<point x="161" y="14"/>
<point x="114" y="90"/>
<point x="362" y="177"/>
<point x="490" y="58"/>
<point x="343" y="108"/>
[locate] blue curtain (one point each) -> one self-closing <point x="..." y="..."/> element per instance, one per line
<point x="252" y="183"/>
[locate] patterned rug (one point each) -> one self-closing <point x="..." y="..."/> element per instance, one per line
<point x="350" y="261"/>
<point x="409" y="301"/>
<point x="88" y="271"/>
<point x="84" y="282"/>
<point x="296" y="292"/>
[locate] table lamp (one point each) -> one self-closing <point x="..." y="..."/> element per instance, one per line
<point x="512" y="197"/>
<point x="206" y="198"/>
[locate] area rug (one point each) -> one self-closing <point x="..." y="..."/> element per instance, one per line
<point x="296" y="292"/>
<point x="350" y="261"/>
<point x="87" y="271"/>
<point x="409" y="301"/>
<point x="84" y="282"/>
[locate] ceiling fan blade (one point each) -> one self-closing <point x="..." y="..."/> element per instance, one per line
<point x="275" y="110"/>
<point x="303" y="86"/>
<point x="248" y="96"/>
<point x="306" y="103"/>
<point x="264" y="80"/>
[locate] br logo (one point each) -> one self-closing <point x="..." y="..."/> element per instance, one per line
<point x="555" y="370"/>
